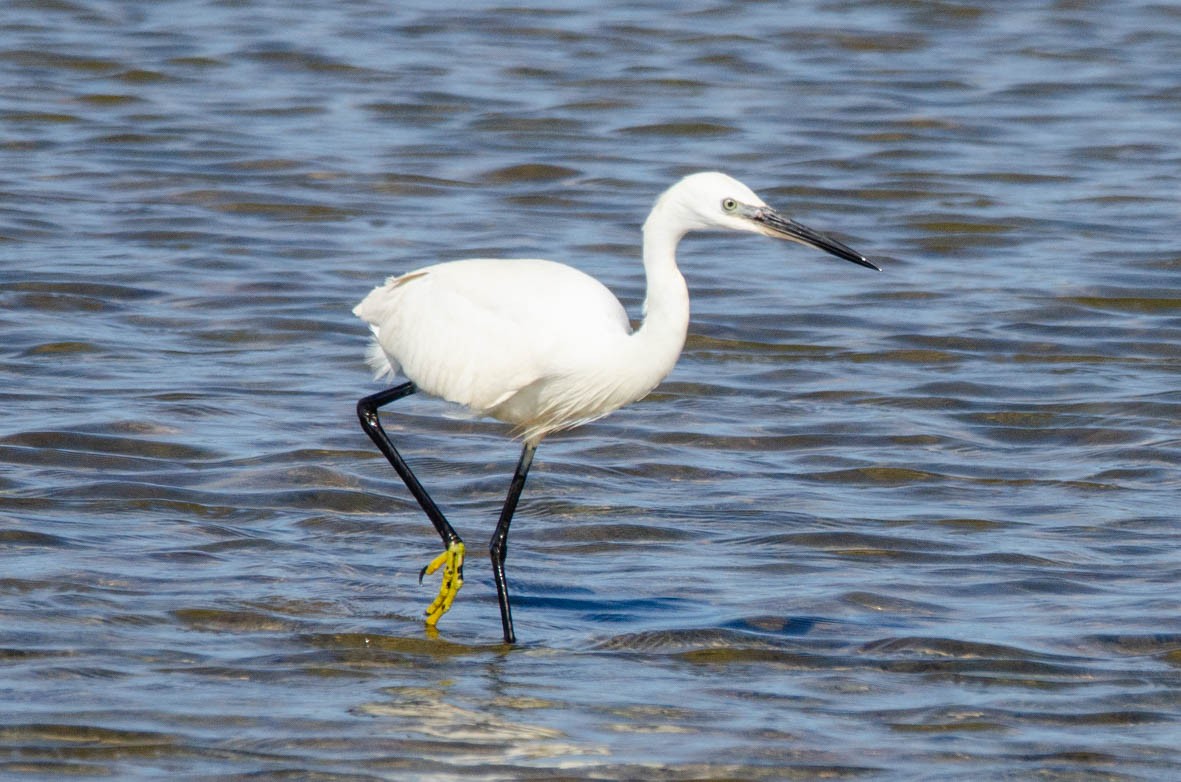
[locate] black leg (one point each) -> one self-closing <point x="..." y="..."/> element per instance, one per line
<point x="367" y="412"/>
<point x="499" y="546"/>
<point x="451" y="560"/>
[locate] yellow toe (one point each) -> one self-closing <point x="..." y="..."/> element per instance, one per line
<point x="451" y="560"/>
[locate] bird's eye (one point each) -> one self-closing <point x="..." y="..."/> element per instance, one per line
<point x="729" y="205"/>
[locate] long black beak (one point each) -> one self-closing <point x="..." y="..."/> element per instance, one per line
<point x="774" y="224"/>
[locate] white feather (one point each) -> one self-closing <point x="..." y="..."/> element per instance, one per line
<point x="541" y="345"/>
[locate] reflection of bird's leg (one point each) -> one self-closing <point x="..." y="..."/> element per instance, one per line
<point x="499" y="545"/>
<point x="451" y="560"/>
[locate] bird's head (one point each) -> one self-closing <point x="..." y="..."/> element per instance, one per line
<point x="712" y="201"/>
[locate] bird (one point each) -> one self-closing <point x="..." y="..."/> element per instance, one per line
<point x="543" y="346"/>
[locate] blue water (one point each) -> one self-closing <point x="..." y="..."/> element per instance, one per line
<point x="911" y="525"/>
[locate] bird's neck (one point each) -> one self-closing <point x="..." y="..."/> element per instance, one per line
<point x="666" y="305"/>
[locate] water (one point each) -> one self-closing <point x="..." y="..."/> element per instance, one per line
<point x="912" y="525"/>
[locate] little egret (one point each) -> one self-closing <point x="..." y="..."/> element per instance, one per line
<point x="543" y="346"/>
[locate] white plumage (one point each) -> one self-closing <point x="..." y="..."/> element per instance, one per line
<point x="527" y="341"/>
<point x="544" y="346"/>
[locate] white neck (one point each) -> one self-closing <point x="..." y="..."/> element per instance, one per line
<point x="660" y="338"/>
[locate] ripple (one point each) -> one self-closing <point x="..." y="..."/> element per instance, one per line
<point x="62" y="444"/>
<point x="681" y="129"/>
<point x="262" y="205"/>
<point x="908" y="525"/>
<point x="223" y="621"/>
<point x="530" y="172"/>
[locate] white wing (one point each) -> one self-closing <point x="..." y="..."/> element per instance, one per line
<point x="475" y="332"/>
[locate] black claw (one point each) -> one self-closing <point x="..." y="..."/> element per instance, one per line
<point x="422" y="574"/>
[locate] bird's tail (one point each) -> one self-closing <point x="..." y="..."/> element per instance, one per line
<point x="378" y="360"/>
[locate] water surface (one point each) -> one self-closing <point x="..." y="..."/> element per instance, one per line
<point x="911" y="525"/>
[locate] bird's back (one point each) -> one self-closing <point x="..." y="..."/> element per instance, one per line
<point x="477" y="332"/>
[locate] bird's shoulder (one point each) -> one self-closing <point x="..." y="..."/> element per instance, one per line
<point x="527" y="289"/>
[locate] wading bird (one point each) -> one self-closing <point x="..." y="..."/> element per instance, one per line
<point x="543" y="346"/>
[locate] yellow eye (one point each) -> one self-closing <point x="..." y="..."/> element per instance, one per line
<point x="729" y="205"/>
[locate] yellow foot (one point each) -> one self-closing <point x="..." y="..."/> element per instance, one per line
<point x="451" y="561"/>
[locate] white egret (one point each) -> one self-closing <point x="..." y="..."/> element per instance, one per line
<point x="543" y="346"/>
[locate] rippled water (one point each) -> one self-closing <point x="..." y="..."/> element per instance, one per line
<point x="912" y="525"/>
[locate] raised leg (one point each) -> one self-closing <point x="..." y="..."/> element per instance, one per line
<point x="451" y="560"/>
<point x="499" y="546"/>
